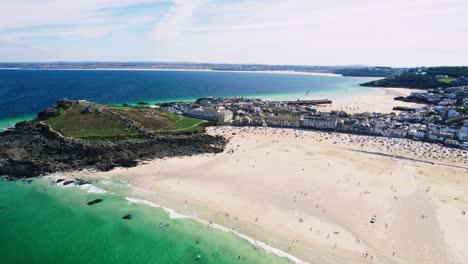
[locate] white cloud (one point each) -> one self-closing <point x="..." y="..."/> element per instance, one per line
<point x="395" y="32"/>
<point x="81" y="32"/>
<point x="25" y="13"/>
<point x="388" y="32"/>
<point x="179" y="17"/>
<point x="11" y="51"/>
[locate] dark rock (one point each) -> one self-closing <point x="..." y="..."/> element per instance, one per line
<point x="48" y="113"/>
<point x="80" y="182"/>
<point x="95" y="201"/>
<point x="59" y="180"/>
<point x="9" y="179"/>
<point x="33" y="149"/>
<point x="127" y="163"/>
<point x="142" y="103"/>
<point x="127" y="217"/>
<point x="68" y="182"/>
<point x="65" y="103"/>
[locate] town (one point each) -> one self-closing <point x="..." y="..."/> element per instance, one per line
<point x="442" y="120"/>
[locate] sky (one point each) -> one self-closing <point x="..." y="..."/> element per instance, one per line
<point x="300" y="32"/>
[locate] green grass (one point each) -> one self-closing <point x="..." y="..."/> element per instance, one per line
<point x="446" y="80"/>
<point x="71" y="123"/>
<point x="182" y="123"/>
<point x="109" y="122"/>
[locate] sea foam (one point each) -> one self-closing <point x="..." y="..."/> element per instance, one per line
<point x="262" y="245"/>
<point x="175" y="215"/>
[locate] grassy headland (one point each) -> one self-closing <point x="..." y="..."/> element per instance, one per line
<point x="424" y="78"/>
<point x="92" y="120"/>
<point x="76" y="135"/>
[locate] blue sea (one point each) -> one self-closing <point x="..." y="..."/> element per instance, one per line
<point x="25" y="92"/>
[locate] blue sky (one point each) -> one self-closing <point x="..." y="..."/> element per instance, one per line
<point x="311" y="32"/>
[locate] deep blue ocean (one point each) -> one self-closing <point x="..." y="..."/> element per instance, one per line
<point x="25" y="92"/>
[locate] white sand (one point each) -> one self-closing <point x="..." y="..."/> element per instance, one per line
<point x="196" y="70"/>
<point x="382" y="102"/>
<point x="313" y="194"/>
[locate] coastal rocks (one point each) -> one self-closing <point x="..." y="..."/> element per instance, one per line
<point x="33" y="149"/>
<point x="91" y="109"/>
<point x="80" y="182"/>
<point x="127" y="217"/>
<point x="48" y="113"/>
<point x="68" y="182"/>
<point x="8" y="179"/>
<point x="95" y="201"/>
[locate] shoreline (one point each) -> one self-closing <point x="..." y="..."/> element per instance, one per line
<point x="382" y="101"/>
<point x="380" y="96"/>
<point x="89" y="188"/>
<point x="234" y="189"/>
<point x="326" y="74"/>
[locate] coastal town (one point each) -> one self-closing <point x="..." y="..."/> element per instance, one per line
<point x="443" y="119"/>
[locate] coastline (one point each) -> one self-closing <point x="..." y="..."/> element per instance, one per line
<point x="382" y="101"/>
<point x="266" y="185"/>
<point x="9" y="122"/>
<point x="188" y="70"/>
<point x="273" y="185"/>
<point x="92" y="189"/>
<point x="149" y="234"/>
<point x="343" y="101"/>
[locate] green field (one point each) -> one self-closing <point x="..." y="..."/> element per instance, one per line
<point x="113" y="121"/>
<point x="446" y="80"/>
<point x="181" y="123"/>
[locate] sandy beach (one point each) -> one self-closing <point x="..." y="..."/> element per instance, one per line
<point x="188" y="70"/>
<point x="322" y="197"/>
<point x="382" y="101"/>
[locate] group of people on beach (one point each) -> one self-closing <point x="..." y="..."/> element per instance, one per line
<point x="394" y="146"/>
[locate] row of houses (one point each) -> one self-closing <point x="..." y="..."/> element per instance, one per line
<point x="432" y="123"/>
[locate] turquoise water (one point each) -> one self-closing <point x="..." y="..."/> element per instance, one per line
<point x="43" y="223"/>
<point x="25" y="92"/>
<point x="10" y="122"/>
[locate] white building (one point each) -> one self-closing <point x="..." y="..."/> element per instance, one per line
<point x="320" y="122"/>
<point x="218" y="116"/>
<point x="283" y="121"/>
<point x="463" y="133"/>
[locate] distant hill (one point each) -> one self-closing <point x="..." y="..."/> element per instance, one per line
<point x="408" y="81"/>
<point x="423" y="78"/>
<point x="454" y="72"/>
<point x="368" y="71"/>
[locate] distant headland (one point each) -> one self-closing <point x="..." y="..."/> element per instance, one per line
<point x="402" y="77"/>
